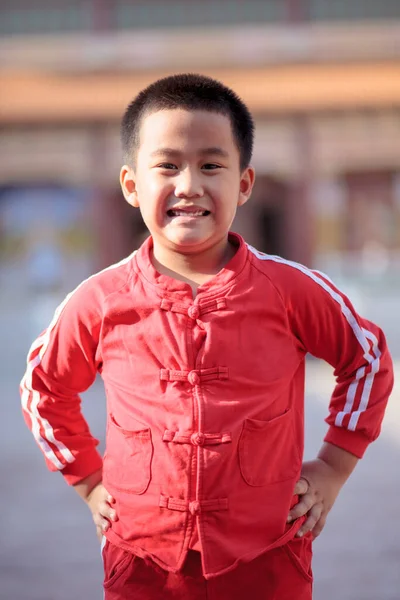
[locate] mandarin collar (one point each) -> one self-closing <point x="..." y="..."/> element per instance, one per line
<point x="169" y="286"/>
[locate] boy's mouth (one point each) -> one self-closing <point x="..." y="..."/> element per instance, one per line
<point x="187" y="212"/>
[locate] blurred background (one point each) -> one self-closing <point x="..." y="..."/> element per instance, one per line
<point x="322" y="79"/>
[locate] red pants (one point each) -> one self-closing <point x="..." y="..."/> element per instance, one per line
<point x="281" y="574"/>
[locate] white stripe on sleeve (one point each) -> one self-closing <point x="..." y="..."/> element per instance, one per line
<point x="37" y="420"/>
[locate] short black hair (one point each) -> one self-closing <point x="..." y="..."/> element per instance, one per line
<point x="191" y="92"/>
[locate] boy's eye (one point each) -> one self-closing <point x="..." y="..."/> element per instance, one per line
<point x="210" y="166"/>
<point x="167" y="166"/>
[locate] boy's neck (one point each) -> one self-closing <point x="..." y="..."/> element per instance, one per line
<point x="194" y="269"/>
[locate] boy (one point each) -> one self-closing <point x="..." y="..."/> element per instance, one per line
<point x="201" y="343"/>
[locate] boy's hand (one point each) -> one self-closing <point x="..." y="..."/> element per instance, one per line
<point x="318" y="488"/>
<point x="100" y="503"/>
<point x="93" y="492"/>
<point x="319" y="485"/>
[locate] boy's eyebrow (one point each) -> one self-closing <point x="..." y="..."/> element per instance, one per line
<point x="215" y="150"/>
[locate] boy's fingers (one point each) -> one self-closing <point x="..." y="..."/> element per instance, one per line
<point x="301" y="508"/>
<point x="100" y="522"/>
<point x="106" y="511"/>
<point x="314" y="516"/>
<point x="301" y="487"/>
<point x="319" y="526"/>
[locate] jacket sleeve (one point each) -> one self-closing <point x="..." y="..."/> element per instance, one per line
<point x="62" y="363"/>
<point x="326" y="325"/>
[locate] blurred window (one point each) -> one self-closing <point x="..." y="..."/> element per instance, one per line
<point x="51" y="16"/>
<point x="179" y="13"/>
<point x="25" y="18"/>
<point x="352" y="10"/>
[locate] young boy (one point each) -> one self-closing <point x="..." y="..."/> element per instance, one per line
<point x="201" y="342"/>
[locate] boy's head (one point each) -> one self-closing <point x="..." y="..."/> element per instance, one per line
<point x="188" y="142"/>
<point x="189" y="92"/>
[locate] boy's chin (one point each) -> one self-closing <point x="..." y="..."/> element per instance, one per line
<point x="186" y="242"/>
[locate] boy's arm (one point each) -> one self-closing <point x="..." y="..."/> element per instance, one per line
<point x="62" y="363"/>
<point x="325" y="324"/>
<point x="85" y="487"/>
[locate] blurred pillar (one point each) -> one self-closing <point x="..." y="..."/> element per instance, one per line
<point x="245" y="223"/>
<point x="299" y="217"/>
<point x="102" y="15"/>
<point x="297" y="11"/>
<point x="117" y="228"/>
<point x="270" y="202"/>
<point x="105" y="208"/>
<point x="371" y="215"/>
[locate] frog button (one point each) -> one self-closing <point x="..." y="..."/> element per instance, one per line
<point x="194" y="507"/>
<point x="194" y="312"/>
<point x="194" y="378"/>
<point x="198" y="438"/>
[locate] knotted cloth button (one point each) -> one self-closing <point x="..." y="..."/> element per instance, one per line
<point x="198" y="438"/>
<point x="194" y="378"/>
<point x="194" y="507"/>
<point x="194" y="312"/>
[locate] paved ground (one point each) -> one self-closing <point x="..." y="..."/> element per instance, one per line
<point x="48" y="549"/>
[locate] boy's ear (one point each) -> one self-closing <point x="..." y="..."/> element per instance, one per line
<point x="246" y="185"/>
<point x="128" y="185"/>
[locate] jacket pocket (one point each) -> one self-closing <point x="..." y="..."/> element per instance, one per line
<point x="268" y="451"/>
<point x="128" y="458"/>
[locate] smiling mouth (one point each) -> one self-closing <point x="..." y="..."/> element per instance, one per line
<point x="187" y="213"/>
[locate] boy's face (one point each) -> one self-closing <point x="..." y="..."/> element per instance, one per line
<point x="187" y="180"/>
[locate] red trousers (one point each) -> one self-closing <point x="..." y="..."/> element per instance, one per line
<point x="280" y="574"/>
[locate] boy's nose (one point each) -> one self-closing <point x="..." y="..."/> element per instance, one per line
<point x="188" y="186"/>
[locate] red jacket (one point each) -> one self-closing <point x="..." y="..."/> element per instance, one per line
<point x="205" y="397"/>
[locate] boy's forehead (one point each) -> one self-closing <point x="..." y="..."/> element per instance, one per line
<point x="189" y="128"/>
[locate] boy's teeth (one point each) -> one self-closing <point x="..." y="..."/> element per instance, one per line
<point x="186" y="213"/>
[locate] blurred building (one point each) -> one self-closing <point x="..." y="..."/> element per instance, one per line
<point x="322" y="79"/>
